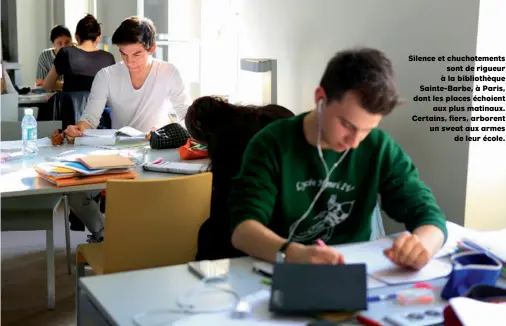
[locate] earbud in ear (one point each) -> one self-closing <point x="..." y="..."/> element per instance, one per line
<point x="320" y="104"/>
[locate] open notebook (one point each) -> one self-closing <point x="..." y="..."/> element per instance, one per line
<point x="110" y="136"/>
<point x="382" y="269"/>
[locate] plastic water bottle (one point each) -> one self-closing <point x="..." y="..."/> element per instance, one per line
<point x="29" y="134"/>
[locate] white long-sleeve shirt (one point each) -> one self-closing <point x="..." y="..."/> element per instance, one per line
<point x="163" y="93"/>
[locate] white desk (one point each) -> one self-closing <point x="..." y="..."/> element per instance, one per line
<point x="18" y="178"/>
<point x="114" y="299"/>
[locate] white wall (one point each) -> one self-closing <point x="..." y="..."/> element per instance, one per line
<point x="110" y="13"/>
<point x="302" y="35"/>
<point x="33" y="27"/>
<point x="486" y="184"/>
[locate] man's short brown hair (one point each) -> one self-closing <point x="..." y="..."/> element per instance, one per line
<point x="134" y="30"/>
<point x="368" y="73"/>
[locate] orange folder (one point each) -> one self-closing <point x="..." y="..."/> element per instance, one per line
<point x="83" y="180"/>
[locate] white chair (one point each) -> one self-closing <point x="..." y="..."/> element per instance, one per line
<point x="9" y="104"/>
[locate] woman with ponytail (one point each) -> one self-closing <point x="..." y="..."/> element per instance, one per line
<point x="79" y="64"/>
<point x="226" y="129"/>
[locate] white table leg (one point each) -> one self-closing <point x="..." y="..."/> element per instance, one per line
<point x="66" y="210"/>
<point x="51" y="301"/>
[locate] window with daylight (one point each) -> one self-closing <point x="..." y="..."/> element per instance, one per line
<point x="178" y="36"/>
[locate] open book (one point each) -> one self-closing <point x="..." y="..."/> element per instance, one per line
<point x="110" y="136"/>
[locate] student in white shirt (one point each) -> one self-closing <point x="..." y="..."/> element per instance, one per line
<point x="141" y="92"/>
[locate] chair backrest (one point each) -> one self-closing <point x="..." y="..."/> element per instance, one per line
<point x="69" y="106"/>
<point x="152" y="223"/>
<point x="9" y="103"/>
<point x="11" y="130"/>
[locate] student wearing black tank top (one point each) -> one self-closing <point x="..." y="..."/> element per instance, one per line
<point x="79" y="64"/>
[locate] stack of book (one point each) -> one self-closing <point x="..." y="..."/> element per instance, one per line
<point x="87" y="170"/>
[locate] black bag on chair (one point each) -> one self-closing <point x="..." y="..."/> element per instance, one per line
<point x="172" y="135"/>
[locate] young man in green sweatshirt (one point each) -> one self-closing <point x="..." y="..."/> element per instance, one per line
<point x="316" y="176"/>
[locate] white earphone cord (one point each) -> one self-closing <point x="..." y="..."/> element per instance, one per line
<point x="327" y="176"/>
<point x="186" y="307"/>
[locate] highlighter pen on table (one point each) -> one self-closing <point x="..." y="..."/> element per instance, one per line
<point x="157" y="161"/>
<point x="266" y="282"/>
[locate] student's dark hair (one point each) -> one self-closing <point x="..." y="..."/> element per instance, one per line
<point x="134" y="30"/>
<point x="368" y="73"/>
<point x="88" y="29"/>
<point x="227" y="128"/>
<point x="210" y="117"/>
<point x="57" y="31"/>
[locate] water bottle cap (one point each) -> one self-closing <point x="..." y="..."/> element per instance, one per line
<point x="29" y="111"/>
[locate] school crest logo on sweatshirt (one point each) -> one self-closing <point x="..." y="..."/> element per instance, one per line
<point x="325" y="221"/>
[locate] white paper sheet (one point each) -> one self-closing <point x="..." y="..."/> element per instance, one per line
<point x="384" y="270"/>
<point x="398" y="275"/>
<point x="476" y="313"/>
<point x="373" y="283"/>
<point x="370" y="253"/>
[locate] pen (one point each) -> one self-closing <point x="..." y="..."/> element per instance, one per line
<point x="380" y="297"/>
<point x="157" y="161"/>
<point x="367" y="321"/>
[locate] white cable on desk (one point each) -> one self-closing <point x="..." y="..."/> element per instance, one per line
<point x="185" y="305"/>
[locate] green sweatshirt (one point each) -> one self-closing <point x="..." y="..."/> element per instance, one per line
<point x="281" y="174"/>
